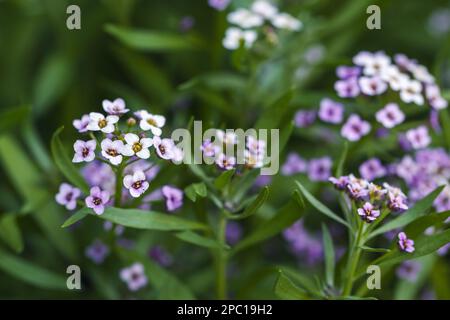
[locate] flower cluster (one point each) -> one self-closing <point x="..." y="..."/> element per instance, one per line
<point x="261" y="13"/>
<point x="119" y="148"/>
<point x="317" y="169"/>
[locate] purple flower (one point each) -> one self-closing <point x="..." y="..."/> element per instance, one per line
<point x="397" y="203"/>
<point x="209" y="148"/>
<point x="390" y="115"/>
<point x="112" y="150"/>
<point x="116" y="107"/>
<point x="82" y="124"/>
<point x="409" y="270"/>
<point x="134" y="276"/>
<point x="347" y="88"/>
<point x="294" y="164"/>
<point x="418" y="137"/>
<point x="224" y="162"/>
<point x="340" y="183"/>
<point x="345" y="72"/>
<point x="357" y="189"/>
<point x="355" y="128"/>
<point x="67" y="196"/>
<point x="161" y="256"/>
<point x="164" y="147"/>
<point x="97" y="200"/>
<point x="255" y="146"/>
<point x="404" y="243"/>
<point x="372" y="169"/>
<point x="219" y="5"/>
<point x="442" y="251"/>
<point x="372" y="86"/>
<point x="304" y="118"/>
<point x="136" y="183"/>
<point x="442" y="202"/>
<point x="434" y="121"/>
<point x="173" y="196"/>
<point x="233" y="233"/>
<point x="84" y="151"/>
<point x="331" y="111"/>
<point x="97" y="251"/>
<point x="320" y="169"/>
<point x="367" y="212"/>
<point x="434" y="97"/>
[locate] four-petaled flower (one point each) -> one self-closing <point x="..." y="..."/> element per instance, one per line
<point x="112" y="150"/>
<point x="101" y="123"/>
<point x="173" y="196"/>
<point x="164" y="147"/>
<point x="390" y="115"/>
<point x="404" y="243"/>
<point x="82" y="124"/>
<point x="116" y="107"/>
<point x="134" y="276"/>
<point x="137" y="146"/>
<point x="151" y="122"/>
<point x="418" y="137"/>
<point x="67" y="196"/>
<point x="97" y="200"/>
<point x="224" y="162"/>
<point x="84" y="151"/>
<point x="136" y="183"/>
<point x="355" y="128"/>
<point x="368" y="213"/>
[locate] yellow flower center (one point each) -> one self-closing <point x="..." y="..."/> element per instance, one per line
<point x="102" y="123"/>
<point x="137" y="147"/>
<point x="151" y="122"/>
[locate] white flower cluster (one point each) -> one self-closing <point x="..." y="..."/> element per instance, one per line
<point x="245" y="20"/>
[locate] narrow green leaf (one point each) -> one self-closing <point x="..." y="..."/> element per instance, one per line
<point x="285" y="289"/>
<point x="418" y="226"/>
<point x="375" y="250"/>
<point x="419" y="209"/>
<point x="77" y="216"/>
<point x="64" y="163"/>
<point x="10" y="232"/>
<point x="329" y="255"/>
<point x="31" y="273"/>
<point x="201" y="241"/>
<point x="224" y="178"/>
<point x="342" y="159"/>
<point x="255" y="205"/>
<point x="320" y="206"/>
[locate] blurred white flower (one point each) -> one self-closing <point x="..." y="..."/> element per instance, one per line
<point x="245" y="19"/>
<point x="286" y="21"/>
<point x="234" y="36"/>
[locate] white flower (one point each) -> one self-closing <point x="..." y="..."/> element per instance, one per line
<point x="116" y="107"/>
<point x="137" y="146"/>
<point x="112" y="150"/>
<point x="286" y="21"/>
<point x="375" y="64"/>
<point x="178" y="155"/>
<point x="412" y="92"/>
<point x="372" y="86"/>
<point x="264" y="9"/>
<point x="226" y="137"/>
<point x="245" y="18"/>
<point x="433" y="94"/>
<point x="234" y="36"/>
<point x="422" y="74"/>
<point x="136" y="183"/>
<point x="255" y="146"/>
<point x="253" y="160"/>
<point x="151" y="122"/>
<point x="99" y="122"/>
<point x="394" y="77"/>
<point x="164" y="147"/>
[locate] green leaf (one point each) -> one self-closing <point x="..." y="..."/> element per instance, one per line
<point x="275" y="112"/>
<point x="342" y="158"/>
<point x="151" y="40"/>
<point x="374" y="250"/>
<point x="419" y="209"/>
<point x="201" y="241"/>
<point x="10" y="232"/>
<point x="329" y="255"/>
<point x="224" y="178"/>
<point x="196" y="189"/>
<point x="31" y="273"/>
<point x="64" y="163"/>
<point x="286" y="216"/>
<point x="255" y="205"/>
<point x="285" y="289"/>
<point x="445" y="122"/>
<point x="320" y="206"/>
<point x="149" y="220"/>
<point x="418" y="226"/>
<point x="77" y="216"/>
<point x="12" y="117"/>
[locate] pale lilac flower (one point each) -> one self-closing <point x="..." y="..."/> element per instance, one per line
<point x="97" y="173"/>
<point x="136" y="183"/>
<point x="345" y="72"/>
<point x="404" y="243"/>
<point x="293" y="164"/>
<point x="368" y="213"/>
<point x="372" y="169"/>
<point x="226" y="137"/>
<point x="372" y="86"/>
<point x="409" y="270"/>
<point x="84" y="151"/>
<point x="340" y="183"/>
<point x="422" y="74"/>
<point x="116" y="107"/>
<point x="219" y="5"/>
<point x="390" y="115"/>
<point x="173" y="196"/>
<point x="412" y="92"/>
<point x="264" y="8"/>
<point x="245" y="19"/>
<point x="233" y="232"/>
<point x="372" y="63"/>
<point x="224" y="162"/>
<point x="331" y="111"/>
<point x="304" y="118"/>
<point x="396" y="79"/>
<point x="97" y="200"/>
<point x="253" y="160"/>
<point x="161" y="256"/>
<point x="319" y="169"/>
<point x="355" y="128"/>
<point x="67" y="196"/>
<point x="137" y="146"/>
<point x="287" y="22"/>
<point x="164" y="147"/>
<point x="434" y="97"/>
<point x="442" y="202"/>
<point x="255" y="146"/>
<point x="397" y="203"/>
<point x="151" y="122"/>
<point x="348" y="88"/>
<point x="357" y="189"/>
<point x="403" y="62"/>
<point x="97" y="251"/>
<point x="134" y="276"/>
<point x="112" y="150"/>
<point x="178" y="155"/>
<point x="209" y="148"/>
<point x="418" y="137"/>
<point x="99" y="122"/>
<point x="82" y="124"/>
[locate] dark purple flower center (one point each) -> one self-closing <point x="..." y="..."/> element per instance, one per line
<point x="97" y="201"/>
<point x="112" y="152"/>
<point x="85" y="152"/>
<point x="137" y="184"/>
<point x="69" y="196"/>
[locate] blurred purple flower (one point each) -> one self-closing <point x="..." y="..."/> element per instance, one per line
<point x="161" y="256"/>
<point x="347" y="88"/>
<point x="372" y="169"/>
<point x="390" y="115"/>
<point x="67" y="196"/>
<point x="331" y="111"/>
<point x="97" y="251"/>
<point x="409" y="270"/>
<point x="134" y="276"/>
<point x="233" y="232"/>
<point x="418" y="137"/>
<point x="219" y="5"/>
<point x="186" y="23"/>
<point x="304" y="118"/>
<point x="173" y="196"/>
<point x="293" y="164"/>
<point x="319" y="169"/>
<point x="355" y="128"/>
<point x="345" y="72"/>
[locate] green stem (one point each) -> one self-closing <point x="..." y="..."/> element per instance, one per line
<point x="118" y="192"/>
<point x="221" y="275"/>
<point x="353" y="260"/>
